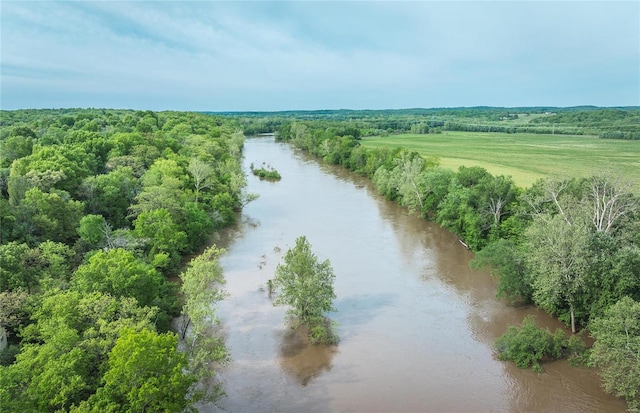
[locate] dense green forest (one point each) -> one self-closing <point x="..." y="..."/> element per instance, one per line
<point x="99" y="210"/>
<point x="571" y="246"/>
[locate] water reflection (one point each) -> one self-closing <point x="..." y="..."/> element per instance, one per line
<point x="356" y="311"/>
<point x="302" y="360"/>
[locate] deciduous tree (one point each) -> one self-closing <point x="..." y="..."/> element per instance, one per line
<point x="611" y="199"/>
<point x="557" y="261"/>
<point x="507" y="264"/>
<point x="201" y="288"/>
<point x="146" y="374"/>
<point x="120" y="273"/>
<point x="306" y="286"/>
<point x="202" y="173"/>
<point x="617" y="350"/>
<point x="64" y="351"/>
<point x="162" y="233"/>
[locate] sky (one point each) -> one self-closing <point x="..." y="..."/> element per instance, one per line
<point x="308" y="55"/>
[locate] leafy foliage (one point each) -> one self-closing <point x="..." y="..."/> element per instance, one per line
<point x="306" y="286"/>
<point x="34" y="269"/>
<point x="63" y="352"/>
<point x="201" y="287"/>
<point x="557" y="263"/>
<point x="161" y="233"/>
<point x="13" y="311"/>
<point x="620" y="122"/>
<point x="506" y="264"/>
<point x="119" y="273"/>
<point x="617" y="350"/>
<point x="145" y="373"/>
<point x="97" y="208"/>
<point x="528" y="345"/>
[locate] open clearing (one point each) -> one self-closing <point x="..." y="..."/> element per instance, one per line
<point x="524" y="157"/>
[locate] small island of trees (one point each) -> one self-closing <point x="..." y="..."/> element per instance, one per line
<point x="265" y="171"/>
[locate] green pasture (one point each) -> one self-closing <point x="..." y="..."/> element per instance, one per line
<point x="524" y="157"/>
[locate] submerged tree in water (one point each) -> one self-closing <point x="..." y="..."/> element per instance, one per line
<point x="528" y="345"/>
<point x="267" y="172"/>
<point x="306" y="285"/>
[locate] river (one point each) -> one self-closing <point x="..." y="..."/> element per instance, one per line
<point x="416" y="324"/>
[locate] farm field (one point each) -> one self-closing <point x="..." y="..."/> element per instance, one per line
<point x="524" y="157"/>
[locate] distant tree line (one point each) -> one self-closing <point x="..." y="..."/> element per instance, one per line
<point x="98" y="210"/>
<point x="607" y="123"/>
<point x="610" y="123"/>
<point x="570" y="246"/>
<point x="527" y="128"/>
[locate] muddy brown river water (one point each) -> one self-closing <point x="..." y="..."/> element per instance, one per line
<point x="416" y="324"/>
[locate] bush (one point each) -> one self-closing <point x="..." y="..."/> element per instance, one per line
<point x="528" y="345"/>
<point x="577" y="351"/>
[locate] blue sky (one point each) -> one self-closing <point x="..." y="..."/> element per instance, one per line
<point x="267" y="56"/>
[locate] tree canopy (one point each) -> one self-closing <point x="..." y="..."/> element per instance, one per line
<point x="97" y="210"/>
<point x="306" y="286"/>
<point x="617" y="349"/>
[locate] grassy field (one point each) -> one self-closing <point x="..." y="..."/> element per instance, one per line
<point x="524" y="157"/>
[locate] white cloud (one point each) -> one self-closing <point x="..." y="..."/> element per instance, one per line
<point x="270" y="55"/>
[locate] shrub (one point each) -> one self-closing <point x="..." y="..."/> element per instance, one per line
<point x="529" y="344"/>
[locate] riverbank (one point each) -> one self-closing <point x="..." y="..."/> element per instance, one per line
<point x="416" y="323"/>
